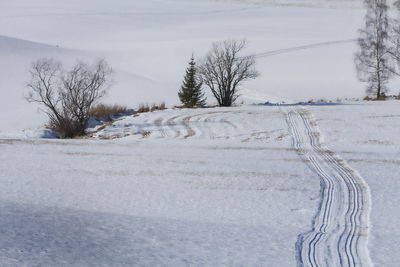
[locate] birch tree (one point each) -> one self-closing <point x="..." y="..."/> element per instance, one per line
<point x="373" y="61"/>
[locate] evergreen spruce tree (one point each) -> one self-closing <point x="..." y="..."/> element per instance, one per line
<point x="191" y="94"/>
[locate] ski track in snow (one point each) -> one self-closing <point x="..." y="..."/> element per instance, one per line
<point x="176" y="124"/>
<point x="302" y="47"/>
<point x="340" y="229"/>
<point x="197" y="124"/>
<point x="339" y="236"/>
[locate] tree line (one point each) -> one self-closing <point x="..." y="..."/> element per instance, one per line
<point x="68" y="96"/>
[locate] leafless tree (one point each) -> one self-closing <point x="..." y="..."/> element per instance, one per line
<point x="394" y="39"/>
<point x="373" y="61"/>
<point x="67" y="96"/>
<point x="223" y="70"/>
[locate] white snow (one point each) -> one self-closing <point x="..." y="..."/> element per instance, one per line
<point x="193" y="187"/>
<point x="366" y="136"/>
<point x="158" y="202"/>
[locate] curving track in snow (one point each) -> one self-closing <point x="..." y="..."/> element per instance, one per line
<point x="340" y="229"/>
<point x="339" y="236"/>
<point x="243" y="124"/>
<point x="302" y="47"/>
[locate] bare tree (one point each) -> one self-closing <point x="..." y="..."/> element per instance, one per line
<point x="68" y="96"/>
<point x="373" y="60"/>
<point x="394" y="40"/>
<point x="223" y="70"/>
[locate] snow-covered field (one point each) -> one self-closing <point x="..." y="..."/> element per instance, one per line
<point x="367" y="137"/>
<point x="253" y="185"/>
<point x="157" y="201"/>
<point x="204" y="187"/>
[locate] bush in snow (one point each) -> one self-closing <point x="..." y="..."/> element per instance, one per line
<point x="107" y="112"/>
<point x="143" y="108"/>
<point x="68" y="96"/>
<point x="155" y="107"/>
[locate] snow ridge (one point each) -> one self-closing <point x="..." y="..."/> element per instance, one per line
<point x="339" y="236"/>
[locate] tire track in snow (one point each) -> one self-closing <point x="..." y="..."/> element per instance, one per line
<point x="209" y="123"/>
<point x="189" y="123"/>
<point x="339" y="236"/>
<point x="200" y="119"/>
<point x="219" y="119"/>
<point x="302" y="47"/>
<point x="172" y="125"/>
<point x="159" y="123"/>
<point x="183" y="124"/>
<point x="190" y="131"/>
<point x="179" y="120"/>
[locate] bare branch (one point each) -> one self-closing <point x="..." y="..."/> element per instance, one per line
<point x="223" y="70"/>
<point x="68" y="96"/>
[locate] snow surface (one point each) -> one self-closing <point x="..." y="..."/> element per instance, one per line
<point x="366" y="135"/>
<point x="156" y="201"/>
<point x="203" y="187"/>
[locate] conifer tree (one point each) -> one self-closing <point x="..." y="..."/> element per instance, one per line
<point x="191" y="94"/>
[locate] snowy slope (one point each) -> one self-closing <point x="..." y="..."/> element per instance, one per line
<point x="17" y="56"/>
<point x="366" y="136"/>
<point x="236" y="186"/>
<point x="148" y="43"/>
<point x="157" y="201"/>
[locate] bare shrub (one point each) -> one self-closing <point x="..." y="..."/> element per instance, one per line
<point x="155" y="107"/>
<point x="145" y="133"/>
<point x="146" y="108"/>
<point x="143" y="108"/>
<point x="162" y="106"/>
<point x="107" y="112"/>
<point x="67" y="96"/>
<point x="382" y="97"/>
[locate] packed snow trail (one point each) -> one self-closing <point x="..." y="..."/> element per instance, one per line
<point x="339" y="236"/>
<point x="302" y="47"/>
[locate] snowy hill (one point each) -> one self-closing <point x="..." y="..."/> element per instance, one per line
<point x="148" y="43"/>
<point x="17" y="56"/>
